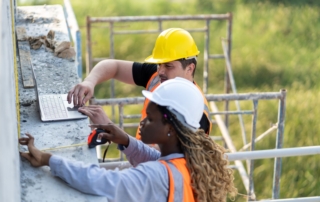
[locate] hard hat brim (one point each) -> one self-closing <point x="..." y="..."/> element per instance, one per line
<point x="149" y="95"/>
<point x="152" y="60"/>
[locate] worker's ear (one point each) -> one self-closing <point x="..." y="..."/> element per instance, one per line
<point x="172" y="131"/>
<point x="190" y="68"/>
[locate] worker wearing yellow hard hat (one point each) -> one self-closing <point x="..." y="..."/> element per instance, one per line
<point x="174" y="45"/>
<point x="174" y="55"/>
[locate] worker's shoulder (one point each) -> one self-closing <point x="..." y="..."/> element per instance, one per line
<point x="152" y="168"/>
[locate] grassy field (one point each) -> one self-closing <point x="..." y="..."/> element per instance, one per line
<point x="275" y="46"/>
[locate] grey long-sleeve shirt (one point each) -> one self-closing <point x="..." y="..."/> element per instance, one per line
<point x="148" y="181"/>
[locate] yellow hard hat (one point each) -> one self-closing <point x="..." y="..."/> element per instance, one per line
<point x="173" y="44"/>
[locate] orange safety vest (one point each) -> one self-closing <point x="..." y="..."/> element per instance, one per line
<point x="181" y="165"/>
<point x="152" y="84"/>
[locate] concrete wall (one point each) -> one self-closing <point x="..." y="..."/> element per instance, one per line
<point x="9" y="156"/>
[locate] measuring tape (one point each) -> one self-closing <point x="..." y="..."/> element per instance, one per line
<point x="64" y="147"/>
<point x="13" y="34"/>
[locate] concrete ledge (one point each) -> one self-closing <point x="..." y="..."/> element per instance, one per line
<point x="54" y="75"/>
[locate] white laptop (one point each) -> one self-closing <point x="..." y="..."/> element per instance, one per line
<point x="55" y="107"/>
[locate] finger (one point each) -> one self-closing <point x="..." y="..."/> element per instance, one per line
<point x="70" y="93"/>
<point x="76" y="96"/>
<point x="31" y="139"/>
<point x="86" y="111"/>
<point x="23" y="141"/>
<point x="105" y="135"/>
<point x="86" y="97"/>
<point x="94" y="107"/>
<point x="26" y="155"/>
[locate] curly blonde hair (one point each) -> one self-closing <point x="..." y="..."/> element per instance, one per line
<point x="211" y="178"/>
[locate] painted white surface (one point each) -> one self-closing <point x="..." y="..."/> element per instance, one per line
<point x="9" y="157"/>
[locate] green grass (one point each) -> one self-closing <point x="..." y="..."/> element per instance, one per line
<point x="274" y="46"/>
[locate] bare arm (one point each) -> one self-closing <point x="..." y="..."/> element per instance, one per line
<point x="111" y="69"/>
<point x="103" y="71"/>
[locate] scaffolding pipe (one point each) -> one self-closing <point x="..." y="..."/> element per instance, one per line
<point x="234" y="90"/>
<point x="279" y="142"/>
<point x="245" y="96"/>
<point x="306" y="199"/>
<point x="254" y="155"/>
<point x="209" y="97"/>
<point x="259" y="138"/>
<point x="159" y="18"/>
<point x="274" y="153"/>
<point x="227" y="78"/>
<point x="251" y="162"/>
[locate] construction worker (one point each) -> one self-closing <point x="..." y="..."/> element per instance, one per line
<point x="174" y="55"/>
<point x="189" y="167"/>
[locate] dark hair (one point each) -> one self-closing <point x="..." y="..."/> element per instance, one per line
<point x="185" y="63"/>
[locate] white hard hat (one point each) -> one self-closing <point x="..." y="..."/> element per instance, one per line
<point x="182" y="96"/>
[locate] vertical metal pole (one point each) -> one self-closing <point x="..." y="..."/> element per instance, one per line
<point x="227" y="82"/>
<point x="160" y="26"/>
<point x="206" y="57"/>
<point x="112" y="93"/>
<point x="121" y="125"/>
<point x="79" y="54"/>
<point x="253" y="137"/>
<point x="88" y="52"/>
<point x="279" y="142"/>
<point x="89" y="67"/>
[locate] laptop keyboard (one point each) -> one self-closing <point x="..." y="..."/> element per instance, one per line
<point x="52" y="107"/>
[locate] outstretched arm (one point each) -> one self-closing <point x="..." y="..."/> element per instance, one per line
<point x="115" y="185"/>
<point x="136" y="151"/>
<point x="103" y="71"/>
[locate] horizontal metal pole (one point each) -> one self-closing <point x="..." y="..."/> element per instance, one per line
<point x="210" y="97"/>
<point x="273" y="153"/>
<point x="100" y="59"/>
<point x="118" y="101"/>
<point x="137" y="32"/>
<point x="216" y="138"/>
<point x="232" y="112"/>
<point x="305" y="199"/>
<point x="130" y="125"/>
<point x="216" y="56"/>
<point x="154" y="31"/>
<point x="245" y="96"/>
<point x="133" y="116"/>
<point x="159" y="18"/>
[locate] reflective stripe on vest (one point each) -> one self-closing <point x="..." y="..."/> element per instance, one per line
<point x="152" y="84"/>
<point x="180" y="188"/>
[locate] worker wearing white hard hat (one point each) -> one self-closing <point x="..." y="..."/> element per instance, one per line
<point x="174" y="55"/>
<point x="190" y="166"/>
